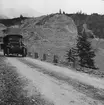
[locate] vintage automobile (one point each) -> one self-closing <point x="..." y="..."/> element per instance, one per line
<point x="13" y="44"/>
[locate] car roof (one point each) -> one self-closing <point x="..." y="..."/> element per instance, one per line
<point x="5" y="38"/>
<point x="10" y="35"/>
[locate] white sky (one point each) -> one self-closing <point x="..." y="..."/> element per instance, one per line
<point x="50" y="6"/>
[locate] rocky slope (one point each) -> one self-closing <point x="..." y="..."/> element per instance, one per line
<point x="51" y="34"/>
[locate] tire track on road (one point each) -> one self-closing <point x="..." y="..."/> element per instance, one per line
<point x="90" y="91"/>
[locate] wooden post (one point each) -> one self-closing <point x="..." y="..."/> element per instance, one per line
<point x="55" y="59"/>
<point x="44" y="57"/>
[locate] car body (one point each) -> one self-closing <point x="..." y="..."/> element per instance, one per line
<point x="13" y="44"/>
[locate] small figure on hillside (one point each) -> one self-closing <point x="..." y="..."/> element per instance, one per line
<point x="63" y="12"/>
<point x="60" y="11"/>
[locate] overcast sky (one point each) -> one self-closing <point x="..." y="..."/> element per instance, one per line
<point x="53" y="6"/>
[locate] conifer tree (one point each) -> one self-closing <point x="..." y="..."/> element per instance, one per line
<point x="69" y="56"/>
<point x="85" y="51"/>
<point x="72" y="55"/>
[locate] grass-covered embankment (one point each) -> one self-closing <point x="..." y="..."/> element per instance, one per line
<point x="12" y="90"/>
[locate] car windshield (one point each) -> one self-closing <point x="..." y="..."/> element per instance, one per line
<point x="15" y="39"/>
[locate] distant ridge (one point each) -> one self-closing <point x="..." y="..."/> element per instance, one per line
<point x="3" y="17"/>
<point x="26" y="12"/>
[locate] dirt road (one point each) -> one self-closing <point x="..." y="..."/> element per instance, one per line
<point x="59" y="85"/>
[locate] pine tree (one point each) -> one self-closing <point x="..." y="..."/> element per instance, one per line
<point x="85" y="52"/>
<point x="69" y="56"/>
<point x="21" y="17"/>
<point x="72" y="55"/>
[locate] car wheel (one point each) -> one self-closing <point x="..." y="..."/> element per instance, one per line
<point x="8" y="51"/>
<point x="4" y="52"/>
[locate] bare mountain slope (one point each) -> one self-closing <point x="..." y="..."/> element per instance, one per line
<point x="50" y="34"/>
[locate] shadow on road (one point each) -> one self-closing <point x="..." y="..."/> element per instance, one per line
<point x="1" y="55"/>
<point x="13" y="56"/>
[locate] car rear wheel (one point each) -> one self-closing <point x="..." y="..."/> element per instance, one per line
<point x="8" y="51"/>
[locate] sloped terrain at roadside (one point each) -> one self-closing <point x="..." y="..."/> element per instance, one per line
<point x="11" y="88"/>
<point x="14" y="88"/>
<point x="51" y="34"/>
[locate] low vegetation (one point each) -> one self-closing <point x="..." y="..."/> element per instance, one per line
<point x="12" y="91"/>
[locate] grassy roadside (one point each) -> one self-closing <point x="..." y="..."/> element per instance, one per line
<point x="12" y="90"/>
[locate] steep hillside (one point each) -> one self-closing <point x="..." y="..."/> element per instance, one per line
<point x="94" y="21"/>
<point x="51" y="34"/>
